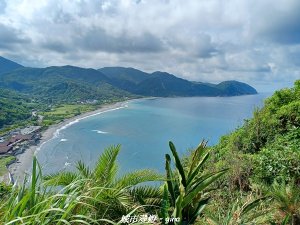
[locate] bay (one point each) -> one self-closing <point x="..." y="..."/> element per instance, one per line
<point x="144" y="127"/>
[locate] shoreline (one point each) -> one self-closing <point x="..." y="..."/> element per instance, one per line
<point x="23" y="162"/>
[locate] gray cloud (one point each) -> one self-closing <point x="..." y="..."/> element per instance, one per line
<point x="56" y="46"/>
<point x="9" y="37"/>
<point x="98" y="39"/>
<point x="253" y="41"/>
<point x="280" y="23"/>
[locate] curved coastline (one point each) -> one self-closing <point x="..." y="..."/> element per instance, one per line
<point x="22" y="164"/>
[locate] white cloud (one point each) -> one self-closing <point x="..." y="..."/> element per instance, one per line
<point x="206" y="40"/>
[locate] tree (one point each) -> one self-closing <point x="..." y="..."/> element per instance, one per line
<point x="120" y="194"/>
<point x="188" y="186"/>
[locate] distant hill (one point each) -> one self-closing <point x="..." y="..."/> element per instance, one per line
<point x="71" y="84"/>
<point x="238" y="88"/>
<point x="125" y="74"/>
<point x="164" y="84"/>
<point x="7" y="65"/>
<point x="62" y="84"/>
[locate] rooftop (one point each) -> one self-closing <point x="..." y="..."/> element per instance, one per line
<point x="5" y="149"/>
<point x="3" y="144"/>
<point x="21" y="137"/>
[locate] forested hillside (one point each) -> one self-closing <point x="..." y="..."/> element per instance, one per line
<point x="263" y="157"/>
<point x="163" y="84"/>
<point x="13" y="108"/>
<point x="66" y="84"/>
<point x="8" y="65"/>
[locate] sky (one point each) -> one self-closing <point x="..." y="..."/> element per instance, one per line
<point x="253" y="41"/>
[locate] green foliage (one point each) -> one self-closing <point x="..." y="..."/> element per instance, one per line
<point x="120" y="195"/>
<point x="4" y="190"/>
<point x="35" y="205"/>
<point x="279" y="161"/>
<point x="165" y="205"/>
<point x="242" y="212"/>
<point x="4" y="161"/>
<point x="13" y="108"/>
<point x="266" y="147"/>
<point x="188" y="187"/>
<point x="287" y="202"/>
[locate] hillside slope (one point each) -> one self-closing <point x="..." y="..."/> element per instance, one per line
<point x="61" y="84"/>
<point x="13" y="108"/>
<point x="266" y="148"/>
<point x="69" y="83"/>
<point x="8" y="65"/>
<point x="162" y="84"/>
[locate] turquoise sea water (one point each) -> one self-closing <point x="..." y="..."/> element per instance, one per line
<point x="144" y="127"/>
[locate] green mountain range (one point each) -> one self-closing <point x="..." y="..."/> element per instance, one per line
<point x="69" y="83"/>
<point x="7" y="65"/>
<point x="61" y="84"/>
<point x="162" y="84"/>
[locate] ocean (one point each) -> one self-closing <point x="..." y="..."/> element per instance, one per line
<point x="143" y="128"/>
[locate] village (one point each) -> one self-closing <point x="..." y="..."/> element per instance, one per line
<point x="16" y="141"/>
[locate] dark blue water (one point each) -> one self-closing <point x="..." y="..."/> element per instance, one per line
<point x="144" y="127"/>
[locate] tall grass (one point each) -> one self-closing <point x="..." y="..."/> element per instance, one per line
<point x="37" y="204"/>
<point x="87" y="197"/>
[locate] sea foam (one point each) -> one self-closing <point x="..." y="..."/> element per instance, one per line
<point x="57" y="132"/>
<point x="100" y="131"/>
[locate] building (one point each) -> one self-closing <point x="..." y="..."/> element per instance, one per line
<point x="4" y="144"/>
<point x="5" y="149"/>
<point x="20" y="138"/>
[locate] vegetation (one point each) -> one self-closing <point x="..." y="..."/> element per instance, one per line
<point x="252" y="176"/>
<point x="65" y="111"/>
<point x="7" y="65"/>
<point x="13" y="108"/>
<point x="119" y="195"/>
<point x="4" y="161"/>
<point x="164" y="84"/>
<point x="263" y="152"/>
<point x="100" y="196"/>
<point x="188" y="187"/>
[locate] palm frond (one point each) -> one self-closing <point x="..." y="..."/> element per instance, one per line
<point x="60" y="179"/>
<point x="147" y="195"/>
<point x="83" y="169"/>
<point x="106" y="167"/>
<point x="138" y="177"/>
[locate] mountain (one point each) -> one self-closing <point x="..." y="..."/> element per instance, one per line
<point x="61" y="84"/>
<point x="71" y="84"/>
<point x="125" y="78"/>
<point x="165" y="84"/>
<point x="125" y="74"/>
<point x="7" y="65"/>
<point x="162" y="84"/>
<point x="236" y="88"/>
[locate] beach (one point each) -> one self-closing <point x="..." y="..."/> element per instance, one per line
<point x="22" y="165"/>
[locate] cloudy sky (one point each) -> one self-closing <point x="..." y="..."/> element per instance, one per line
<point x="255" y="41"/>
